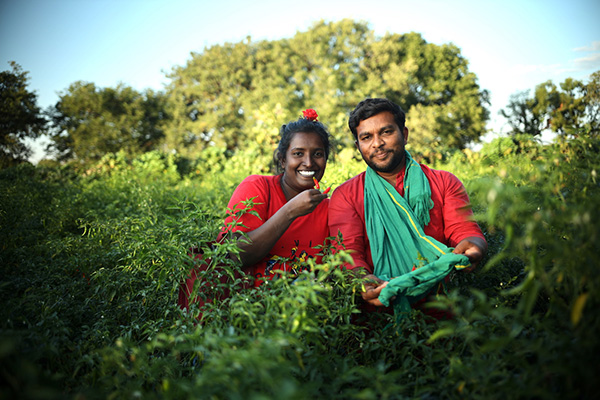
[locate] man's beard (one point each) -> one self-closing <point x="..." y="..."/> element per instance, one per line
<point x="391" y="165"/>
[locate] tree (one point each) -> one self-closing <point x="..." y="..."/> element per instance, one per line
<point x="524" y="114"/>
<point x="446" y="109"/>
<point x="576" y="107"/>
<point x="215" y="96"/>
<point x="330" y="67"/>
<point x="20" y="116"/>
<point x="572" y="109"/>
<point x="90" y="122"/>
<point x="206" y="98"/>
<point x="592" y="110"/>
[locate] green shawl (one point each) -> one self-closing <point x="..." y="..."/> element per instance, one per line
<point x="412" y="261"/>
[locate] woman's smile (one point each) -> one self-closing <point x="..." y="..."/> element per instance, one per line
<point x="307" y="174"/>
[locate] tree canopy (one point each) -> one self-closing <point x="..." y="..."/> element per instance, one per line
<point x="570" y="109"/>
<point x="215" y="97"/>
<point x="90" y="122"/>
<point x="20" y="116"/>
<point x="236" y="96"/>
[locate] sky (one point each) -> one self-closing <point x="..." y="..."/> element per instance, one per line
<point x="511" y="45"/>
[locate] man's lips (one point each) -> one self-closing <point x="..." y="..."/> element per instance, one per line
<point x="380" y="155"/>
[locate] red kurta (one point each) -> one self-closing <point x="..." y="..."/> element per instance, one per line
<point x="299" y="240"/>
<point x="450" y="216"/>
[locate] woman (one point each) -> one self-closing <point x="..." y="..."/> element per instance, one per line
<point x="292" y="214"/>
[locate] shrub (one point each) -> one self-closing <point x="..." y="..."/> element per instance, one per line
<point x="92" y="262"/>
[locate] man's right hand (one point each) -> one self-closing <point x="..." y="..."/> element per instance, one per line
<point x="372" y="288"/>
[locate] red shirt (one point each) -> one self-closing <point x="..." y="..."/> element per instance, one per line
<point x="450" y="216"/>
<point x="299" y="240"/>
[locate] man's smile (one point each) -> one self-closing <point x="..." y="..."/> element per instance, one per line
<point x="380" y="155"/>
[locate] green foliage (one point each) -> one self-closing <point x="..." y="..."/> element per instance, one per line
<point x="90" y="122"/>
<point x="571" y="110"/>
<point x="20" y="116"/>
<point x="91" y="260"/>
<point x="444" y="104"/>
<point x="236" y="95"/>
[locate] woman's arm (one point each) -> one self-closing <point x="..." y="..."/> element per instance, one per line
<point x="263" y="238"/>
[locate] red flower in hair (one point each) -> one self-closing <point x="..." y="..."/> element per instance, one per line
<point x="310" y="114"/>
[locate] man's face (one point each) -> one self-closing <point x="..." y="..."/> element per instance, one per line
<point x="381" y="143"/>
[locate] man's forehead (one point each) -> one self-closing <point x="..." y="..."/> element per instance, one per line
<point x="378" y="121"/>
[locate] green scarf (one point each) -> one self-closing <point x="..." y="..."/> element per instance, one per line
<point x="401" y="251"/>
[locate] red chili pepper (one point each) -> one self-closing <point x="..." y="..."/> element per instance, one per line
<point x="327" y="190"/>
<point x="316" y="183"/>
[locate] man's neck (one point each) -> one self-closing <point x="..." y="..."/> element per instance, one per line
<point x="392" y="176"/>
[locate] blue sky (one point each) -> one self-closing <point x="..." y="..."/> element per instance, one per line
<point x="511" y="45"/>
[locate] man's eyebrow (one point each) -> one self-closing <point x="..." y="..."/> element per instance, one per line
<point x="383" y="128"/>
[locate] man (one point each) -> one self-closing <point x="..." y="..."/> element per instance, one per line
<point x="432" y="210"/>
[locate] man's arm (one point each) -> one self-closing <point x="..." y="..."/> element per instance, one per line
<point x="459" y="227"/>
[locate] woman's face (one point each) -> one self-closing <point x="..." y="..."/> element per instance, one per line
<point x="304" y="159"/>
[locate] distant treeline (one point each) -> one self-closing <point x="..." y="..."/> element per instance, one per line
<point x="237" y="95"/>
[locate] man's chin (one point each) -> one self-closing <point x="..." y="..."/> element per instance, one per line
<point x="380" y="168"/>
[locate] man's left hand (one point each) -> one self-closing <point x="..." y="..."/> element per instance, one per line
<point x="474" y="248"/>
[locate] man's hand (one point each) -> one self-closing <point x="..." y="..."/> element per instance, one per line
<point x="372" y="286"/>
<point x="474" y="248"/>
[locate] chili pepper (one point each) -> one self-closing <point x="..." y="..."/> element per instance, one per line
<point x="316" y="183"/>
<point x="327" y="190"/>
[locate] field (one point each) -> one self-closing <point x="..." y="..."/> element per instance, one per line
<point x="91" y="260"/>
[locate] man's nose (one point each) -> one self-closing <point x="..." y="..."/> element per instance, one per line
<point x="377" y="141"/>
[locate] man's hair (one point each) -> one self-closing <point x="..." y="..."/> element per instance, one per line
<point x="370" y="107"/>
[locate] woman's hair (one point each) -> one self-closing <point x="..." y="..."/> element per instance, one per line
<point x="287" y="133"/>
<point x="370" y="107"/>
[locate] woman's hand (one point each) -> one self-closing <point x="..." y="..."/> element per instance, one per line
<point x="304" y="203"/>
<point x="263" y="238"/>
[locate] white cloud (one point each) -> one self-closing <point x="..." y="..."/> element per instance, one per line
<point x="595" y="46"/>
<point x="525" y="69"/>
<point x="574" y="67"/>
<point x="589" y="62"/>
